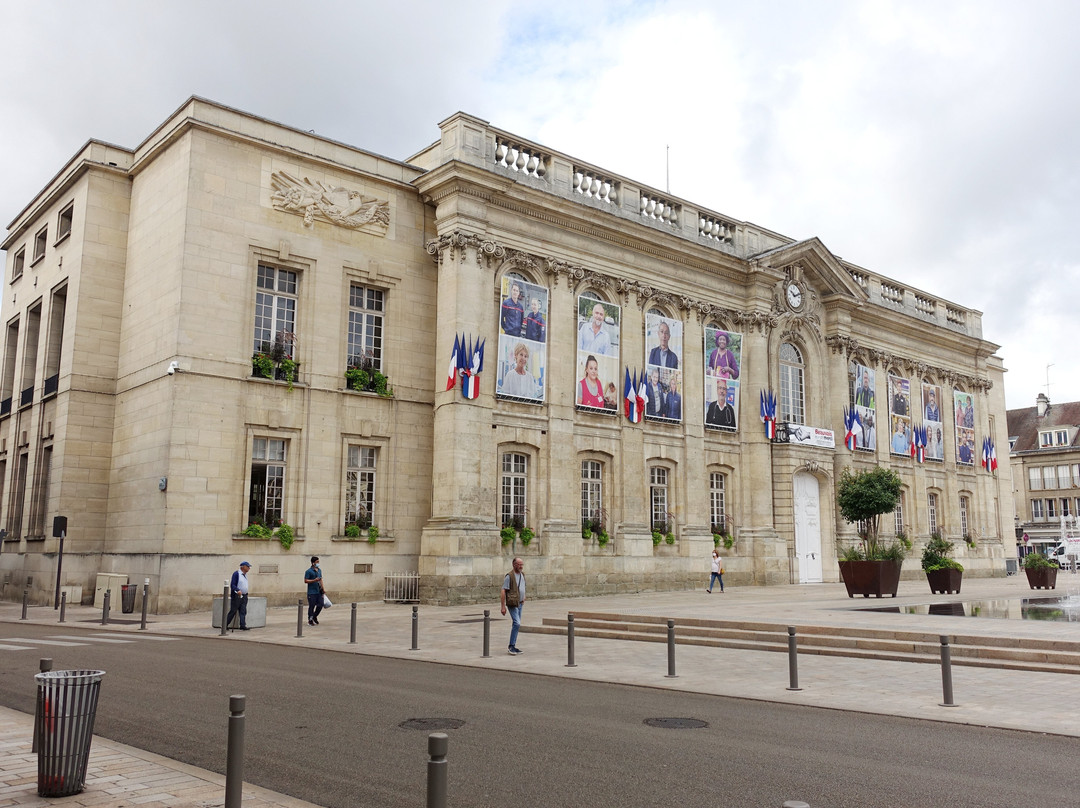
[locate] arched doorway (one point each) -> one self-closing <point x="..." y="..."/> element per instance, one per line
<point x="806" y="494"/>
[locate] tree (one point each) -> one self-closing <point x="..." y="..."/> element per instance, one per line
<point x="864" y="496"/>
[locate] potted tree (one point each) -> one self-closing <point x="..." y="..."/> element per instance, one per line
<point x="943" y="573"/>
<point x="873" y="566"/>
<point x="1041" y="572"/>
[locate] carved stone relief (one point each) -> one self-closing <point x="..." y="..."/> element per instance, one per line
<point x="332" y="204"/>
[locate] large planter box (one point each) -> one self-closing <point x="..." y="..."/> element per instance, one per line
<point x="868" y="578"/>
<point x="944" y="582"/>
<point x="1042" y="579"/>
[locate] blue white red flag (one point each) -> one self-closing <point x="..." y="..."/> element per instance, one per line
<point x="993" y="456"/>
<point x="851" y="420"/>
<point x="642" y="396"/>
<point x="633" y="414"/>
<point x="768" y="413"/>
<point x="452" y="373"/>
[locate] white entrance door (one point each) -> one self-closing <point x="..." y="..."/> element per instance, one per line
<point x="807" y="499"/>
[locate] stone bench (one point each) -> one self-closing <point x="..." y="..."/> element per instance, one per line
<point x="256" y="614"/>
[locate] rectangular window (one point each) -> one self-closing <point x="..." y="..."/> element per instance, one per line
<point x="40" y="241"/>
<point x="898" y="515"/>
<point x="931" y="512"/>
<point x="1061" y="437"/>
<point x="658" y="497"/>
<point x="18" y="495"/>
<point x="1076" y="475"/>
<point x="1035" y="479"/>
<point x="39" y="498"/>
<point x="515" y="469"/>
<point x="267" y="495"/>
<point x="591" y="491"/>
<point x="360" y="487"/>
<point x="275" y="310"/>
<point x="964" y="517"/>
<point x="1064" y="477"/>
<point x="1051" y="509"/>
<point x="1049" y="477"/>
<point x="1037" y="510"/>
<point x="717" y="502"/>
<point x="18" y="264"/>
<point x="1066" y="510"/>
<point x="1046" y="439"/>
<point x="365" y="326"/>
<point x="63" y="223"/>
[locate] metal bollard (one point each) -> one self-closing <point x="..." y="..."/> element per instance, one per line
<point x="570" y="641"/>
<point x="671" y="649"/>
<point x="299" y="618"/>
<point x="63" y="605"/>
<point x="234" y="762"/>
<point x="437" y="745"/>
<point x="224" y="609"/>
<point x="45" y="665"/>
<point x="105" y="607"/>
<point x="145" y="598"/>
<point x="415" y="627"/>
<point x="25" y="602"/>
<point x="487" y="633"/>
<point x="352" y="627"/>
<point x="946" y="673"/>
<point x="792" y="660"/>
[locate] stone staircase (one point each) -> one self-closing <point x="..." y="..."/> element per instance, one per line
<point x="1012" y="653"/>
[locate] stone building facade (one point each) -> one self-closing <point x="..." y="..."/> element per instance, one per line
<point x="188" y="321"/>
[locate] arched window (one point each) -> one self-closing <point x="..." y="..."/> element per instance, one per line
<point x="792" y="401"/>
<point x="592" y="492"/>
<point x="515" y="469"/>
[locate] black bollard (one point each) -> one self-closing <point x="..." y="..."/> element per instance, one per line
<point x="224" y="609"/>
<point x="63" y="605"/>
<point x="352" y="627"/>
<point x="145" y="598"/>
<point x="25" y="602"/>
<point x="105" y="607"/>
<point x="234" y="762"/>
<point x="437" y="745"/>
<point x="487" y="633"/>
<point x="570" y="641"/>
<point x="946" y="673"/>
<point x="792" y="660"/>
<point x="299" y="618"/>
<point x="415" y="628"/>
<point x="671" y="649"/>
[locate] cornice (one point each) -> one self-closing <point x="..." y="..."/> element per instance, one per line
<point x="846" y="346"/>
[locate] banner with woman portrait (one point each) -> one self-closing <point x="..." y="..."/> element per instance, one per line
<point x="723" y="365"/>
<point x="933" y="421"/>
<point x="522" y="341"/>
<point x="899" y="415"/>
<point x="964" y="418"/>
<point x="663" y="369"/>
<point x="598" y="373"/>
<point x="866" y="407"/>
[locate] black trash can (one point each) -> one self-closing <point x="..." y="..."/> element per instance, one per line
<point x="66" y="708"/>
<point x="127" y="597"/>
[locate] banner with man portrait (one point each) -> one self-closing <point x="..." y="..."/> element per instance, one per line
<point x="723" y="366"/>
<point x="899" y="415"/>
<point x="933" y="422"/>
<point x="964" y="418"/>
<point x="866" y="407"/>
<point x="663" y="369"/>
<point x="598" y="373"/>
<point x="522" y="356"/>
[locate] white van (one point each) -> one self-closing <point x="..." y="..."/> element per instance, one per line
<point x="1061" y="554"/>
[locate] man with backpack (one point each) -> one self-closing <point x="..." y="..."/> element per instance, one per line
<point x="512" y="597"/>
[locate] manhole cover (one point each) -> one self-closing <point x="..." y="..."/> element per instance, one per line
<point x="676" y="723"/>
<point x="432" y="724"/>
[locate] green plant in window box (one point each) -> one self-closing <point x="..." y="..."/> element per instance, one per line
<point x="288" y="369"/>
<point x="256" y="531"/>
<point x="657" y="537"/>
<point x="602" y="538"/>
<point x="372" y="534"/>
<point x="507" y="534"/>
<point x="262" y="365"/>
<point x="285" y="535"/>
<point x="526" y="535"/>
<point x="669" y="537"/>
<point x="586" y="529"/>
<point x="352" y="531"/>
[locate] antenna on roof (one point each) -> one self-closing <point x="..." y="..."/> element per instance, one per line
<point x="667" y="168"/>
<point x="1048" y="380"/>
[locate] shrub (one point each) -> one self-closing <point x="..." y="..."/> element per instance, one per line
<point x="526" y="536"/>
<point x="372" y="534"/>
<point x="507" y="534"/>
<point x="935" y="556"/>
<point x="352" y="531"/>
<point x="257" y="531"/>
<point x="285" y="535"/>
<point x="1037" y="561"/>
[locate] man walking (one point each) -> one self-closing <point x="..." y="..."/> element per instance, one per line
<point x="512" y="597"/>
<point x="313" y="579"/>
<point x="238" y="595"/>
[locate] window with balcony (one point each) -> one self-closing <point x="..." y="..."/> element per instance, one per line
<point x="275" y="324"/>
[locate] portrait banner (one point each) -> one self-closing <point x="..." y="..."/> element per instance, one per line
<point x="663" y="374"/>
<point x="723" y="366"/>
<point x="522" y="356"/>
<point x="899" y="415"/>
<point x="933" y="422"/>
<point x="598" y="371"/>
<point x="866" y="407"/>
<point x="964" y="419"/>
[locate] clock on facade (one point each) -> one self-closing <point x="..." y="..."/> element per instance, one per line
<point x="794" y="295"/>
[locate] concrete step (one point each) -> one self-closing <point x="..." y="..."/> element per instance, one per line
<point x="1048" y="656"/>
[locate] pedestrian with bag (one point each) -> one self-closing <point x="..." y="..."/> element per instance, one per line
<point x="717" y="571"/>
<point x="313" y="579"/>
<point x="512" y="598"/>
<point x="238" y="595"/>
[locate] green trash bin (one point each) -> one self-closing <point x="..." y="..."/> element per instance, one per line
<point x="66" y="708"/>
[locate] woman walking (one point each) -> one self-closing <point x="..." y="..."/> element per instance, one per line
<point x="717" y="571"/>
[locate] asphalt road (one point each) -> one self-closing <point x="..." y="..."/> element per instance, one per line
<point x="327" y="727"/>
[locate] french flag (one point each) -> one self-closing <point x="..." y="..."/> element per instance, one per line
<point x="452" y="373"/>
<point x="993" y="457"/>
<point x="768" y="414"/>
<point x="642" y="396"/>
<point x="470" y="380"/>
<point x="851" y="420"/>
<point x="633" y="414"/>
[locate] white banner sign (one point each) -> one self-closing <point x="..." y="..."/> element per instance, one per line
<point x="811" y="436"/>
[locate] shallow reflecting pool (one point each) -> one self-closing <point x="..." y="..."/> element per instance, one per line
<point x="1059" y="608"/>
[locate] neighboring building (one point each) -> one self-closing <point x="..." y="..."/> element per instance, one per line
<point x="1044" y="452"/>
<point x="184" y="320"/>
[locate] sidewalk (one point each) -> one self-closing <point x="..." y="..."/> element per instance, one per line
<point x="454" y="635"/>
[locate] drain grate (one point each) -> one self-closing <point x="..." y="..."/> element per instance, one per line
<point x="676" y="723"/>
<point x="432" y="724"/>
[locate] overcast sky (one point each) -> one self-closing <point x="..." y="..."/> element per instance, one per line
<point x="933" y="142"/>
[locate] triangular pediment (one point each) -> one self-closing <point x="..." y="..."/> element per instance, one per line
<point x="823" y="270"/>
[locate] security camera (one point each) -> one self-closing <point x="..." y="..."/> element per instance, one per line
<point x="173" y="367"/>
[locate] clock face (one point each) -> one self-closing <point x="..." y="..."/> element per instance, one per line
<point x="794" y="296"/>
